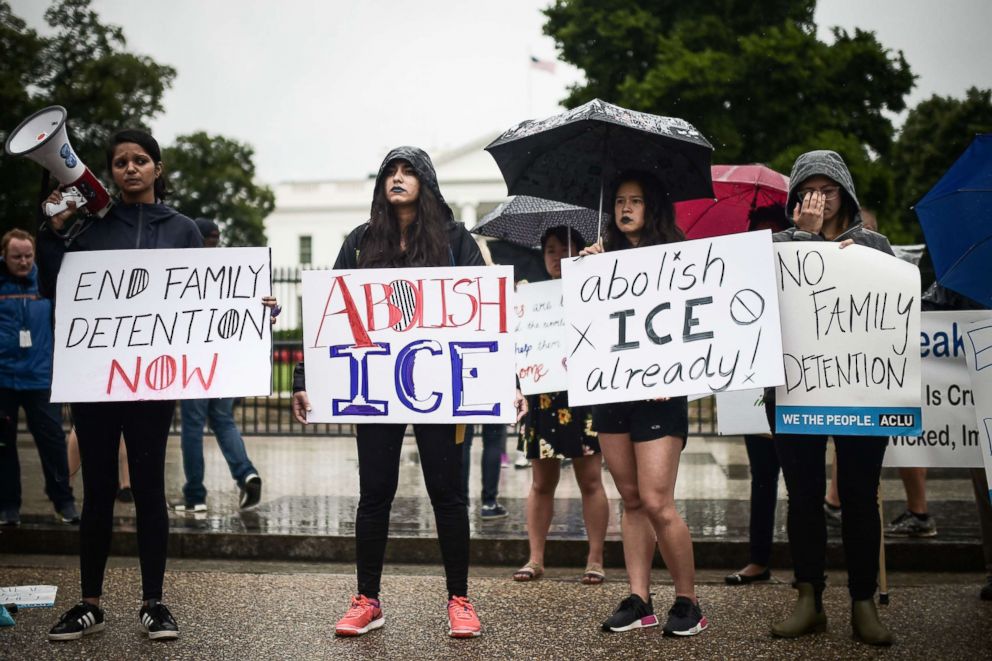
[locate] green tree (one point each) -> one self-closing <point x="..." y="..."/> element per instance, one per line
<point x="935" y="134"/>
<point x="84" y="67"/>
<point x="752" y="76"/>
<point x="214" y="177"/>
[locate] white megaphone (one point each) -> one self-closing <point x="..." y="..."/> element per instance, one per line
<point x="42" y="138"/>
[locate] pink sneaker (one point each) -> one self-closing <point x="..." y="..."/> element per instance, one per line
<point x="462" y="620"/>
<point x="363" y="616"/>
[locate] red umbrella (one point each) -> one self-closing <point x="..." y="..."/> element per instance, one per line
<point x="738" y="190"/>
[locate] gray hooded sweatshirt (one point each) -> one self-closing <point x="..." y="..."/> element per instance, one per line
<point x="828" y="164"/>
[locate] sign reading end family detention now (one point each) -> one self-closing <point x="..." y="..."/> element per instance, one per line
<point x="680" y="319"/>
<point x="850" y="328"/>
<point x="162" y="324"/>
<point x="430" y="345"/>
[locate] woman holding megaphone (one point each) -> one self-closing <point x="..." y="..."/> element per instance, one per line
<point x="137" y="219"/>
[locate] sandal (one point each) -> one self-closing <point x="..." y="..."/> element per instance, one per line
<point x="529" y="572"/>
<point x="594" y="575"/>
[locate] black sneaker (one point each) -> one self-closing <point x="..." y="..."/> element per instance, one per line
<point x="493" y="511"/>
<point x="251" y="492"/>
<point x="685" y="618"/>
<point x="68" y="514"/>
<point x="986" y="592"/>
<point x="158" y="621"/>
<point x="832" y="514"/>
<point x="125" y="495"/>
<point x="80" y="620"/>
<point x="632" y="613"/>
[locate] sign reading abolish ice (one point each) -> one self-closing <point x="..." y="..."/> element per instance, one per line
<point x="678" y="319"/>
<point x="162" y="324"/>
<point x="849" y="332"/>
<point x="539" y="336"/>
<point x="409" y="345"/>
<point x="949" y="438"/>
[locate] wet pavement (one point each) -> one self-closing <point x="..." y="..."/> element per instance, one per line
<point x="256" y="610"/>
<point x="309" y="498"/>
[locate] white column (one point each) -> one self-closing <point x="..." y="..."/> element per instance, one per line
<point x="468" y="214"/>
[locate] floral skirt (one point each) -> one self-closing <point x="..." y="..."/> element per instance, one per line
<point x="553" y="430"/>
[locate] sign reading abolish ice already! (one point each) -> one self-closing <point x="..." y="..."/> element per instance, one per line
<point x="429" y="345"/>
<point x="850" y="323"/>
<point x="678" y="319"/>
<point x="162" y="324"/>
<point x="539" y="336"/>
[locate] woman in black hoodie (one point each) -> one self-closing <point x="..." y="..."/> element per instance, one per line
<point x="410" y="226"/>
<point x="138" y="219"/>
<point x="824" y="207"/>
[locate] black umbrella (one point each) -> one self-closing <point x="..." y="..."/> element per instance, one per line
<point x="569" y="157"/>
<point x="524" y="219"/>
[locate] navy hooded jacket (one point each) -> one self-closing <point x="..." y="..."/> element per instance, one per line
<point x="23" y="308"/>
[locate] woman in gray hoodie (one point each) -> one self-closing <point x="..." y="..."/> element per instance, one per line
<point x="824" y="207"/>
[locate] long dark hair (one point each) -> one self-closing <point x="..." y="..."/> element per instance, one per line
<point x="562" y="232"/>
<point x="659" y="214"/>
<point x="426" y="237"/>
<point x="144" y="140"/>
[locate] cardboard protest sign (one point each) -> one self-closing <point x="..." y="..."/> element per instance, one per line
<point x="162" y="324"/>
<point x="849" y="326"/>
<point x="678" y="319"/>
<point x="29" y="596"/>
<point x="949" y="438"/>
<point x="539" y="337"/>
<point x="978" y="352"/>
<point x="741" y="412"/>
<point x="427" y="345"/>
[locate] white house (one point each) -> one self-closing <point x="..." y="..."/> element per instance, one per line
<point x="312" y="218"/>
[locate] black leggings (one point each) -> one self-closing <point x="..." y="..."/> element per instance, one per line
<point x="145" y="426"/>
<point x="763" y="460"/>
<point x="859" y="466"/>
<point x="378" y="471"/>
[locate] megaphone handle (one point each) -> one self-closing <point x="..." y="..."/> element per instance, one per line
<point x="72" y="193"/>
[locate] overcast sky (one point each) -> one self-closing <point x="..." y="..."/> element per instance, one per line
<point x="324" y="89"/>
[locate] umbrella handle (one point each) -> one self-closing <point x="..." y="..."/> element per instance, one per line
<point x="599" y="216"/>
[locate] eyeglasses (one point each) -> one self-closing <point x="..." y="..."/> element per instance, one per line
<point x="829" y="192"/>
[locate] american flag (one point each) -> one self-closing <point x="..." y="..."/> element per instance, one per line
<point x="542" y="65"/>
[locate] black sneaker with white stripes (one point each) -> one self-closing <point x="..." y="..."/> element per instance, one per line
<point x="158" y="621"/>
<point x="80" y="620"/>
<point x="251" y="492"/>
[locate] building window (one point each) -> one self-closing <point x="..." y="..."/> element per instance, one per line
<point x="306" y="249"/>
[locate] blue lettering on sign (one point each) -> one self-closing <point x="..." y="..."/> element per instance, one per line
<point x="405" y="389"/>
<point x="358" y="402"/>
<point x="68" y="156"/>
<point x="942" y="345"/>
<point x="459" y="373"/>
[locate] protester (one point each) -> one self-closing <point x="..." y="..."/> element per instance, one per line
<point x="220" y="413"/>
<point x="410" y="226"/>
<point x="138" y="219"/>
<point x="916" y="521"/>
<point x="553" y="432"/>
<point x="642" y="441"/>
<point x="824" y="207"/>
<point x="761" y="456"/>
<point x="493" y="445"/>
<point x="26" y="381"/>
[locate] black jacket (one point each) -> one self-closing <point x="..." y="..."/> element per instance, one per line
<point x="125" y="227"/>
<point x="462" y="248"/>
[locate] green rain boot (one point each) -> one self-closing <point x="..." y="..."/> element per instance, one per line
<point x="867" y="627"/>
<point x="808" y="616"/>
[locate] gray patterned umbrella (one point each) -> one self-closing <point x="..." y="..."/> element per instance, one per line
<point x="524" y="219"/>
<point x="569" y="157"/>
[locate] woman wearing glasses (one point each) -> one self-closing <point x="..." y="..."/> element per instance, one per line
<point x="824" y="207"/>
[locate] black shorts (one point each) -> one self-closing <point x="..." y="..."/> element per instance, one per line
<point x="644" y="421"/>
